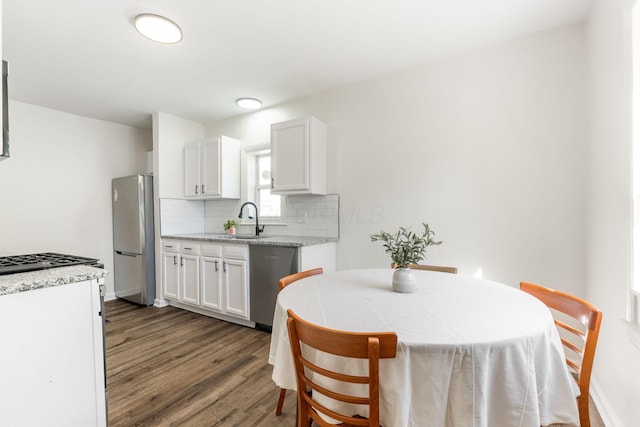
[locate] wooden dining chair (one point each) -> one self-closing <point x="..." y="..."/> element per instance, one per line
<point x="452" y="270"/>
<point x="287" y="280"/>
<point x="282" y="283"/>
<point x="363" y="345"/>
<point x="579" y="352"/>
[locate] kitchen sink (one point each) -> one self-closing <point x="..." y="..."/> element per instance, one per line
<point x="247" y="237"/>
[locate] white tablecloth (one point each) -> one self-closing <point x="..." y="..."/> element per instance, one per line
<point x="471" y="352"/>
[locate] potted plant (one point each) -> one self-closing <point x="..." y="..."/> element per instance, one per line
<point x="230" y="227"/>
<point x="405" y="248"/>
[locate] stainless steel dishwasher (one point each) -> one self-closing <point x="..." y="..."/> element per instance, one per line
<point x="268" y="264"/>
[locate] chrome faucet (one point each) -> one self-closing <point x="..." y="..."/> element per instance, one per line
<point x="258" y="228"/>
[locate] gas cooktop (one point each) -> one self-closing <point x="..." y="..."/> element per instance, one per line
<point x="42" y="261"/>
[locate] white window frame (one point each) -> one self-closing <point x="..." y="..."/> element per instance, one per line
<point x="253" y="157"/>
<point x="633" y="293"/>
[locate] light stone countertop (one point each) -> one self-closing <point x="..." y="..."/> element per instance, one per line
<point x="21" y="282"/>
<point x="262" y="240"/>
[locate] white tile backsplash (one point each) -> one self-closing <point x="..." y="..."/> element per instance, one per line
<point x="178" y="216"/>
<point x="321" y="213"/>
<point x="197" y="216"/>
<point x="217" y="212"/>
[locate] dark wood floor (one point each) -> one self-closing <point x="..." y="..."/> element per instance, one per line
<point x="171" y="367"/>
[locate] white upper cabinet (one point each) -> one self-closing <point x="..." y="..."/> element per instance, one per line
<point x="299" y="157"/>
<point x="212" y="169"/>
<point x="192" y="170"/>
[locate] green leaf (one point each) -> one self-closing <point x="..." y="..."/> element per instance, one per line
<point x="405" y="246"/>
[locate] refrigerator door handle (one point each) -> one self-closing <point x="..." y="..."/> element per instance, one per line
<point x="127" y="253"/>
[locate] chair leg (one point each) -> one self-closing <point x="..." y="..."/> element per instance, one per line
<point x="283" y="391"/>
<point x="583" y="409"/>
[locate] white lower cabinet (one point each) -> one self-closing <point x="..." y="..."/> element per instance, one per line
<point x="52" y="358"/>
<point x="212" y="277"/>
<point x="211" y="281"/>
<point x="224" y="279"/>
<point x="181" y="272"/>
<point x="190" y="279"/>
<point x="236" y="288"/>
<point x="171" y="270"/>
<point x="190" y="273"/>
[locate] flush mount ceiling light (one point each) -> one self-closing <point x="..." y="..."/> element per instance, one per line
<point x="249" y="103"/>
<point x="157" y="28"/>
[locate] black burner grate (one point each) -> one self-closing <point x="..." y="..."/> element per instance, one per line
<point x="32" y="262"/>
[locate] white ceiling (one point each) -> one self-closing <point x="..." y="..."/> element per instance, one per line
<point x="84" y="56"/>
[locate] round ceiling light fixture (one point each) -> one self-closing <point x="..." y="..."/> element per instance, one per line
<point x="249" y="103"/>
<point x="157" y="28"/>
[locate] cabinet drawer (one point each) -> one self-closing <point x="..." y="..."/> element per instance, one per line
<point x="236" y="251"/>
<point x="190" y="248"/>
<point x="211" y="250"/>
<point x="170" y="246"/>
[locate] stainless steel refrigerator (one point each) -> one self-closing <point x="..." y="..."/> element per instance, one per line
<point x="133" y="239"/>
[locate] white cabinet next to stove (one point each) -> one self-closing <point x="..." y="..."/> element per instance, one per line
<point x="52" y="357"/>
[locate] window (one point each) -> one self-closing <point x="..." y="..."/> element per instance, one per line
<point x="270" y="204"/>
<point x="633" y="311"/>
<point x="635" y="102"/>
<point x="259" y="186"/>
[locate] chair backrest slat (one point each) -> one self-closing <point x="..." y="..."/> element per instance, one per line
<point x="440" y="268"/>
<point x="287" y="280"/>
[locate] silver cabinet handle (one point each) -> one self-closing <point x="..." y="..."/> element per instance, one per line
<point x="175" y="261"/>
<point x="224" y="266"/>
<point x="202" y="187"/>
<point x="216" y="264"/>
<point x="181" y="261"/>
<point x="196" y="188"/>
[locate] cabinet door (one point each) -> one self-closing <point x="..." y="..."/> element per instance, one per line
<point x="230" y="167"/>
<point x="210" y="282"/>
<point x="192" y="186"/>
<point x="190" y="279"/>
<point x="52" y="367"/>
<point x="236" y="287"/>
<point x="170" y="275"/>
<point x="290" y="155"/>
<point x="210" y="164"/>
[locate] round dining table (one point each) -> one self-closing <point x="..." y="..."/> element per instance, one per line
<point x="471" y="352"/>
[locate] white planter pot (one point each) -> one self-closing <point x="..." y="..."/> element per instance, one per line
<point x="404" y="280"/>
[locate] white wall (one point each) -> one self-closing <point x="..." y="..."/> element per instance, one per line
<point x="55" y="190"/>
<point x="488" y="147"/>
<point x="616" y="376"/>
